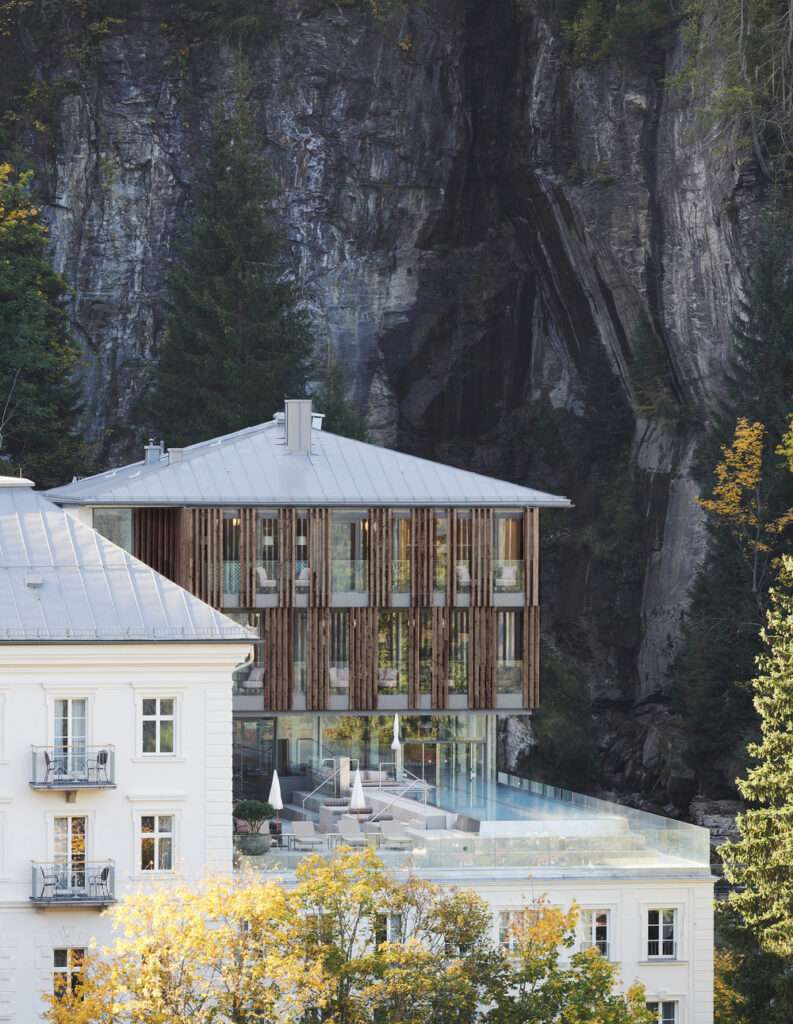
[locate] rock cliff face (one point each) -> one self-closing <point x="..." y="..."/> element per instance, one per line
<point x="479" y="227"/>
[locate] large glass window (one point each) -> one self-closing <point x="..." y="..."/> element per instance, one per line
<point x="339" y="653"/>
<point x="267" y="553"/>
<point x="459" y="651"/>
<point x="392" y="661"/>
<point x="70" y="833"/>
<point x="508" y="566"/>
<point x="440" y="545"/>
<point x="302" y="569"/>
<point x="70" y="736"/>
<point x="158" y="715"/>
<point x="462" y="552"/>
<point x="253" y="757"/>
<point x="509" y="651"/>
<point x="116" y="525"/>
<point x="400" y="552"/>
<point x="248" y="677"/>
<point x="299" y="637"/>
<point x="597" y="931"/>
<point x="349" y="552"/>
<point x="665" y="1010"/>
<point x="231" y="551"/>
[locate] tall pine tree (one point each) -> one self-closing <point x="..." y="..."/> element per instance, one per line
<point x="236" y="343"/>
<point x="331" y="398"/>
<point x="38" y="391"/>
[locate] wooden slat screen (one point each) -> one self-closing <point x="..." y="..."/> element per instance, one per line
<point x="422" y="545"/>
<point x="319" y="557"/>
<point x="185" y="549"/>
<point x="482" y="658"/>
<point x="208" y="547"/>
<point x="481" y="557"/>
<point x="531" y="553"/>
<point x="247" y="557"/>
<point x="531" y="657"/>
<point x="363" y="659"/>
<point x="379" y="557"/>
<point x="277" y="628"/>
<point x="286" y="556"/>
<point x="451" y="557"/>
<point x="155" y="539"/>
<point x="317" y="656"/>
<point x="414" y="657"/>
<point x="440" y="657"/>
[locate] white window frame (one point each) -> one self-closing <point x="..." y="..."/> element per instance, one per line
<point x="66" y="693"/>
<point x="658" y="1003"/>
<point x="140" y="835"/>
<point x="68" y="971"/>
<point x="588" y="930"/>
<point x="176" y="718"/>
<point x="506" y="918"/>
<point x="677" y="931"/>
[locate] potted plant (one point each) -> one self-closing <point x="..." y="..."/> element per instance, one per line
<point x="254" y="813"/>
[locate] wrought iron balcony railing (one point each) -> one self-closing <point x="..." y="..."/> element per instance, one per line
<point x="84" y="883"/>
<point x="73" y="767"/>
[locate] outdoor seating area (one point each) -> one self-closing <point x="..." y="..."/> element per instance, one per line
<point x="73" y="767"/>
<point x="78" y="882"/>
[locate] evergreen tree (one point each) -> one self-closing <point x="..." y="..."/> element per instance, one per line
<point x="331" y="398"/>
<point x="235" y="343"/>
<point x="761" y="862"/>
<point x="38" y="392"/>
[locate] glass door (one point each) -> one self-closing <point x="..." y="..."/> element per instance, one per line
<point x="70" y="735"/>
<point x="70" y="838"/>
<point x="253" y="757"/>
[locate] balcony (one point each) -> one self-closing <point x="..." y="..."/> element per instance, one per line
<point x="349" y="576"/>
<point x="267" y="573"/>
<point x="71" y="768"/>
<point x="77" y="884"/>
<point x="400" y="575"/>
<point x="508" y="576"/>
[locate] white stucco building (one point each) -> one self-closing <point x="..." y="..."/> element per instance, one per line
<point x="115" y="738"/>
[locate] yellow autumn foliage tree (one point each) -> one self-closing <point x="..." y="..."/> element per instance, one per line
<point x="347" y="944"/>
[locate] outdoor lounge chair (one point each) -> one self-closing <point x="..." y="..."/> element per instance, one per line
<point x="394" y="835"/>
<point x="306" y="836"/>
<point x="463" y="577"/>
<point x="350" y="832"/>
<point x="264" y="582"/>
<point x="508" y="577"/>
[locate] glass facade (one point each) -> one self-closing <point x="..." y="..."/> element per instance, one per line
<point x="462" y="553"/>
<point x="508" y="568"/>
<point x="400" y="552"/>
<point x="231" y="552"/>
<point x="299" y="653"/>
<point x="267" y="563"/>
<point x="459" y="651"/>
<point x="302" y="568"/>
<point x="116" y="525"/>
<point x="392" y="652"/>
<point x="339" y="654"/>
<point x="509" y="651"/>
<point x="440" y="545"/>
<point x="349" y="543"/>
<point x="248" y="677"/>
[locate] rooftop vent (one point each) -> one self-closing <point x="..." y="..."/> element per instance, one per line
<point x="298" y="425"/>
<point x="34" y="580"/>
<point x="152" y="452"/>
<point x="175" y="455"/>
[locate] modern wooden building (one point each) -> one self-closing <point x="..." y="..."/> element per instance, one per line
<point x="378" y="582"/>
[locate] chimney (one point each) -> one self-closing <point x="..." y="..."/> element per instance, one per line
<point x="298" y="425"/>
<point x="174" y="455"/>
<point x="151" y="452"/>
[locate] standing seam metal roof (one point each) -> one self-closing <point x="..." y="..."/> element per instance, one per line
<point x="61" y="580"/>
<point x="254" y="467"/>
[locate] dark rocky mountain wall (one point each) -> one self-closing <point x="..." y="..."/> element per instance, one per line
<point x="479" y="226"/>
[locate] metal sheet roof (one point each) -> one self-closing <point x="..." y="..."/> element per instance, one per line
<point x="254" y="467"/>
<point x="61" y="580"/>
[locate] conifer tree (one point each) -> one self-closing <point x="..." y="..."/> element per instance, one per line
<point x="331" y="398"/>
<point x="761" y="862"/>
<point x="235" y="343"/>
<point x="38" y="391"/>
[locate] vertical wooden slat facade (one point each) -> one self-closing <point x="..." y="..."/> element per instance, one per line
<point x="531" y="554"/>
<point x="422" y="569"/>
<point x="531" y="657"/>
<point x="318" y="659"/>
<point x="481" y="557"/>
<point x="286" y="555"/>
<point x="277" y="624"/>
<point x="319" y="557"/>
<point x="379" y="557"/>
<point x="414" y="657"/>
<point x="451" y="557"/>
<point x="482" y="658"/>
<point x="440" y="657"/>
<point x="185" y="549"/>
<point x="155" y="541"/>
<point x="247" y="557"/>
<point x="363" y="659"/>
<point x="208" y="546"/>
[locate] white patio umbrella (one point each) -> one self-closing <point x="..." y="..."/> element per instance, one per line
<point x="396" y="746"/>
<point x="357" y="797"/>
<point x="274" y="799"/>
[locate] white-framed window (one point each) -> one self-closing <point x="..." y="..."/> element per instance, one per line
<point x="67" y="970"/>
<point x="388" y="928"/>
<point x="665" y="1010"/>
<point x="156" y="835"/>
<point x="662" y="933"/>
<point x="597" y="931"/>
<point x="158" y="725"/>
<point x="507" y="919"/>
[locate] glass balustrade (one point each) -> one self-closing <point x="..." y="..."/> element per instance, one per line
<point x="400" y="575"/>
<point x="508" y="576"/>
<point x="349" y="575"/>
